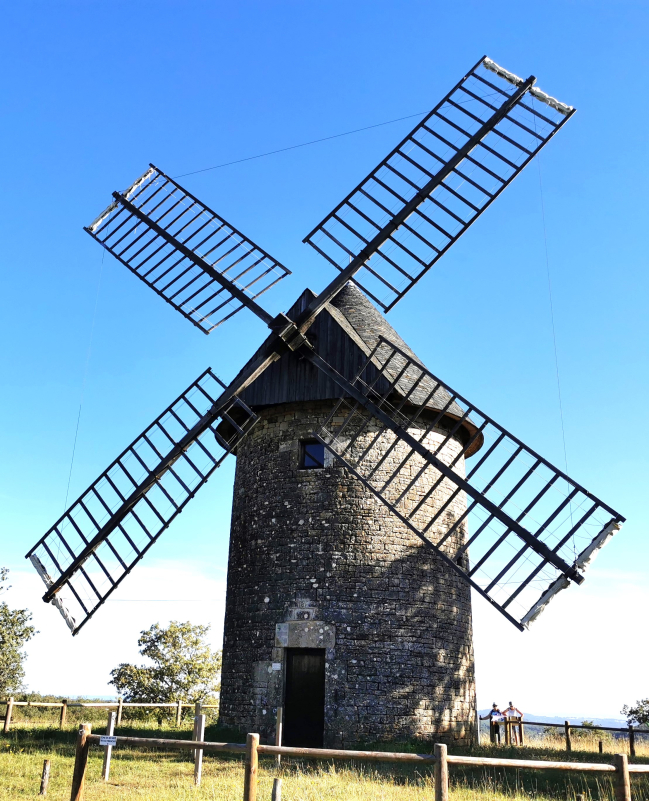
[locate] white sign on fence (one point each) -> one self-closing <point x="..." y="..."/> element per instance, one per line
<point x="104" y="739"/>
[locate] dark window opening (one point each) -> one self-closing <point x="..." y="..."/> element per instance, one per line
<point x="312" y="455"/>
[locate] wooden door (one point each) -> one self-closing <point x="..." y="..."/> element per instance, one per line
<point x="304" y="697"/>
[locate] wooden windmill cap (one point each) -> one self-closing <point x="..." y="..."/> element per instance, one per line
<point x="344" y="334"/>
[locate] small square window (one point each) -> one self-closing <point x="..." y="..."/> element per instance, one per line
<point x="311" y="455"/>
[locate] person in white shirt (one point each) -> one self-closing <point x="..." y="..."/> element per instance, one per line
<point x="513" y="712"/>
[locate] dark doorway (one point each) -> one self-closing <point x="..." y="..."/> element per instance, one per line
<point x="304" y="697"/>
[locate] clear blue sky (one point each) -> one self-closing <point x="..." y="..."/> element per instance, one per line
<point x="94" y="92"/>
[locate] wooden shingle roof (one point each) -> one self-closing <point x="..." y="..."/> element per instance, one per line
<point x="344" y="334"/>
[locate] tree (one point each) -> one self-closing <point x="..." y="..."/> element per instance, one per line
<point x="638" y="714"/>
<point x="587" y="732"/>
<point x="184" y="667"/>
<point x="15" y="631"/>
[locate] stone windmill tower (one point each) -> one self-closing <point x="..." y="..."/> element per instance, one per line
<point x="370" y="498"/>
<point x="336" y="610"/>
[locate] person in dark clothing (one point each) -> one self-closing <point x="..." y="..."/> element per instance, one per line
<point x="495" y="717"/>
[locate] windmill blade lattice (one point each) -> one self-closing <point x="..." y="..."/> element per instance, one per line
<point x="196" y="261"/>
<point x="527" y="526"/>
<point x="92" y="548"/>
<point x="425" y="194"/>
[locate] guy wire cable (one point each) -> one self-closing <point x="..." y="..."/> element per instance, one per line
<point x="85" y="376"/>
<point x="554" y="335"/>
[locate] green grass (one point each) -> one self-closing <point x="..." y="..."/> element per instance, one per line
<point x="168" y="775"/>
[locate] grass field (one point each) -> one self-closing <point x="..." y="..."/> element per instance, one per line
<point x="168" y="776"/>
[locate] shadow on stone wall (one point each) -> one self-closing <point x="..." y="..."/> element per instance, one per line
<point x="406" y="668"/>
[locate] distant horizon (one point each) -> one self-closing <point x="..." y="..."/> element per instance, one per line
<point x="572" y="717"/>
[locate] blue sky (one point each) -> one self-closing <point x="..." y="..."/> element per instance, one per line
<point x="93" y="93"/>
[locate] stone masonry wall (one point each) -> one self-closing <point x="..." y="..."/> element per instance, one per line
<point x="316" y="550"/>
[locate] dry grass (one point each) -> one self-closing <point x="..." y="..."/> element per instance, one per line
<point x="168" y="776"/>
<point x="589" y="743"/>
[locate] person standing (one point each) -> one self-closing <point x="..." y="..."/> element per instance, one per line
<point x="515" y="730"/>
<point x="495" y="717"/>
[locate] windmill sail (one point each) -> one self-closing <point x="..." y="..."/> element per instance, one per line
<point x="527" y="530"/>
<point x="101" y="537"/>
<point x="196" y="261"/>
<point x="392" y="228"/>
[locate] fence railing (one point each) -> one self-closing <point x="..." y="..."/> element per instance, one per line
<point x="440" y="759"/>
<point x="515" y="724"/>
<point x="118" y="705"/>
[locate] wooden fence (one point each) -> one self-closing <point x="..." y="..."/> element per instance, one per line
<point x="119" y="705"/>
<point x="509" y="724"/>
<point x="440" y="760"/>
<point x="517" y="724"/>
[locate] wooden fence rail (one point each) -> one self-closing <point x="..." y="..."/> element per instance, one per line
<point x="440" y="760"/>
<point x="567" y="726"/>
<point x="119" y="705"/>
<point x="581" y="726"/>
<point x="102" y="705"/>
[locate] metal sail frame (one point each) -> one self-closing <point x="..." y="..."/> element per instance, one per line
<point x="208" y="271"/>
<point x="189" y="255"/>
<point x="110" y="527"/>
<point x="526" y="514"/>
<point x="401" y="219"/>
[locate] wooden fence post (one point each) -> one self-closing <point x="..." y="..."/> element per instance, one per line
<point x="199" y="728"/>
<point x="631" y="742"/>
<point x="80" y="762"/>
<point x="277" y="790"/>
<point x="179" y="713"/>
<point x="568" y="740"/>
<point x="250" y="774"/>
<point x="193" y="752"/>
<point x="45" y="777"/>
<point x="108" y="749"/>
<point x="278" y="733"/>
<point x="64" y="713"/>
<point x="601" y="747"/>
<point x="197" y="712"/>
<point x="441" y="772"/>
<point x="508" y="731"/>
<point x="10" y="709"/>
<point x="622" y="783"/>
<point x="120" y="709"/>
<point x="521" y="732"/>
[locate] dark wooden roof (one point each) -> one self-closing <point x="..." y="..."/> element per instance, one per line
<point x="344" y="334"/>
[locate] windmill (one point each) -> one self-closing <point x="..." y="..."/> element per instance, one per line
<point x="370" y="497"/>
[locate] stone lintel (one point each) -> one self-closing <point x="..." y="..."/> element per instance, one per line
<point x="305" y="634"/>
